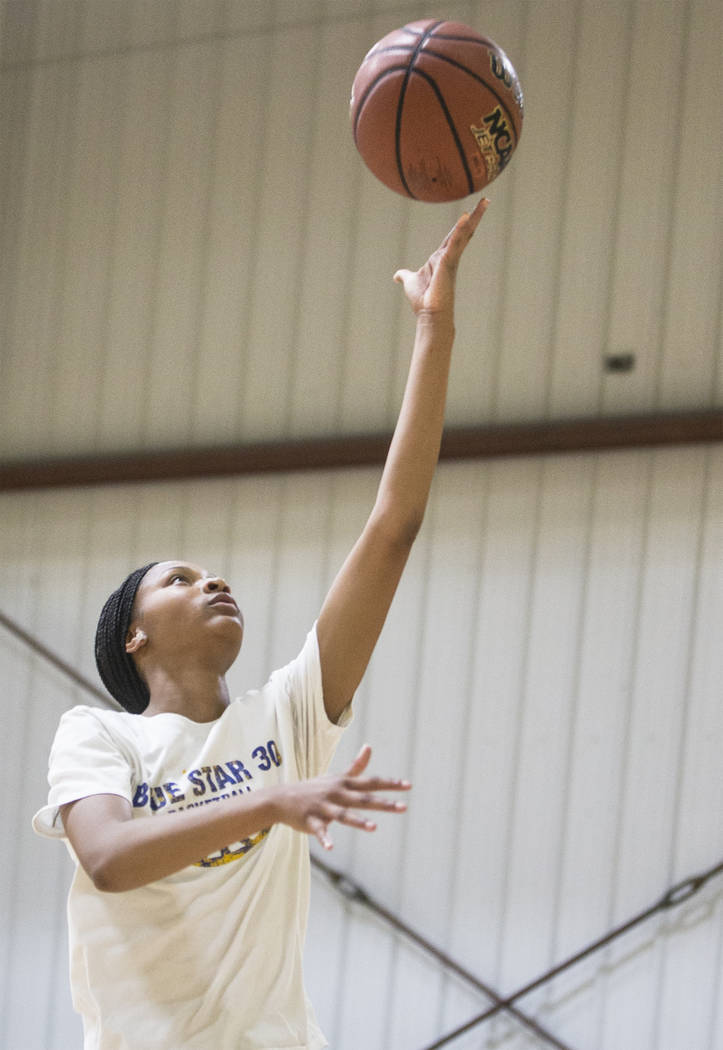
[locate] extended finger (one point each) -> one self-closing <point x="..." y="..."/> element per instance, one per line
<point x="360" y="762"/>
<point x="476" y="214"/>
<point x="319" y="828"/>
<point x="353" y="820"/>
<point x="369" y="800"/>
<point x="462" y="231"/>
<point x="376" y="784"/>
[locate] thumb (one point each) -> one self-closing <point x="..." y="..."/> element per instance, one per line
<point x="361" y="762"/>
<point x="401" y="276"/>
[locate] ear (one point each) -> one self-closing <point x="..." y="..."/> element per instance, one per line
<point x="135" y="639"/>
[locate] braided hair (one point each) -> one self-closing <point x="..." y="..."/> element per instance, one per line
<point x="116" y="667"/>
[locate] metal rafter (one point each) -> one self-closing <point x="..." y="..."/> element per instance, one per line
<point x="325" y="453"/>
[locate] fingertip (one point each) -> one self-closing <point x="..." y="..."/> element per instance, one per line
<point x="365" y="753"/>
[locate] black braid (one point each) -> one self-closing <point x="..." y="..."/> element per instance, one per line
<point x="116" y="667"/>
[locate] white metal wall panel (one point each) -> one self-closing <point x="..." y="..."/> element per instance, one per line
<point x="642" y="229"/>
<point x="194" y="252"/>
<point x="591" y="182"/>
<point x="693" y="301"/>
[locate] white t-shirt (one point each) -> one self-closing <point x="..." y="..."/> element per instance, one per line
<point x="209" y="958"/>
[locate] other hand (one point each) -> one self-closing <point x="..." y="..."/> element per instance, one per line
<point x="312" y="805"/>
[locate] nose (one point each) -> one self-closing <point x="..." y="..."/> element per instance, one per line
<point x="215" y="583"/>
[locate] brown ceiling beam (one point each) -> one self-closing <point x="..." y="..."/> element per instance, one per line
<point x="481" y="442"/>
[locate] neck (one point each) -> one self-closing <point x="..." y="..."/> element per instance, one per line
<point x="201" y="694"/>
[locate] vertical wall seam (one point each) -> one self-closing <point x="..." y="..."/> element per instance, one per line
<point x="716" y="1000"/>
<point x="504" y="253"/>
<point x="468" y="693"/>
<point x="61" y="860"/>
<point x="716" y="393"/>
<point x="408" y="763"/>
<point x="556" y="295"/>
<point x="58" y="305"/>
<point x="111" y="261"/>
<point x="633" y="664"/>
<point x="337" y="1035"/>
<point x="306" y="167"/>
<point x="254" y="234"/>
<point x="21" y="152"/>
<point x="282" y="495"/>
<point x="204" y="247"/>
<point x="576" y="643"/>
<point x="345" y="325"/>
<point x="164" y="149"/>
<point x="676" y="178"/>
<point x="15" y="813"/>
<point x="513" y="785"/>
<point x="626" y="103"/>
<point x="684" y="733"/>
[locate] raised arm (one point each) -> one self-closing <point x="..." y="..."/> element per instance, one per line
<point x="354" y="611"/>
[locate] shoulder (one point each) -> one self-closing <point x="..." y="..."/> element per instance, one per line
<point x="86" y="726"/>
<point x="84" y="718"/>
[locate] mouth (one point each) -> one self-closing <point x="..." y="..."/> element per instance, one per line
<point x="224" y="599"/>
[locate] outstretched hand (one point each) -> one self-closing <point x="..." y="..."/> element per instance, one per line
<point x="430" y="290"/>
<point x="312" y="805"/>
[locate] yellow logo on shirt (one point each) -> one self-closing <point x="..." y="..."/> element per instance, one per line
<point x="232" y="852"/>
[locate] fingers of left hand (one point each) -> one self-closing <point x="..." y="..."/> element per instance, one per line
<point x="360" y="762"/>
<point x="352" y="820"/>
<point x="368" y="800"/>
<point x="462" y="232"/>
<point x="318" y="828"/>
<point x="368" y="784"/>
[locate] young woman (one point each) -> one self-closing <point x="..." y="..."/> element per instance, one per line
<point x="188" y="908"/>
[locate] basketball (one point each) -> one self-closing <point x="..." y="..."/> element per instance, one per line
<point x="436" y="110"/>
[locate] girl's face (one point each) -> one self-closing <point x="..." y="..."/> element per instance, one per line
<point x="184" y="611"/>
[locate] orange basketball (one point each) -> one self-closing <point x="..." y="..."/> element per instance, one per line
<point x="436" y="110"/>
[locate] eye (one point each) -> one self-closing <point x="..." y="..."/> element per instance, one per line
<point x="176" y="576"/>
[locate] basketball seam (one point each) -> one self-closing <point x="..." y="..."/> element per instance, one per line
<point x="452" y="126"/>
<point x="370" y="87"/>
<point x="400" y="106"/>
<point x="481" y="80"/>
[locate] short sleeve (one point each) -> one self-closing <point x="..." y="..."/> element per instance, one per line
<point x="316" y="737"/>
<point x="84" y="760"/>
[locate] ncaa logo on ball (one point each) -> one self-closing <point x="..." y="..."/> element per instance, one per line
<point x="494" y="141"/>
